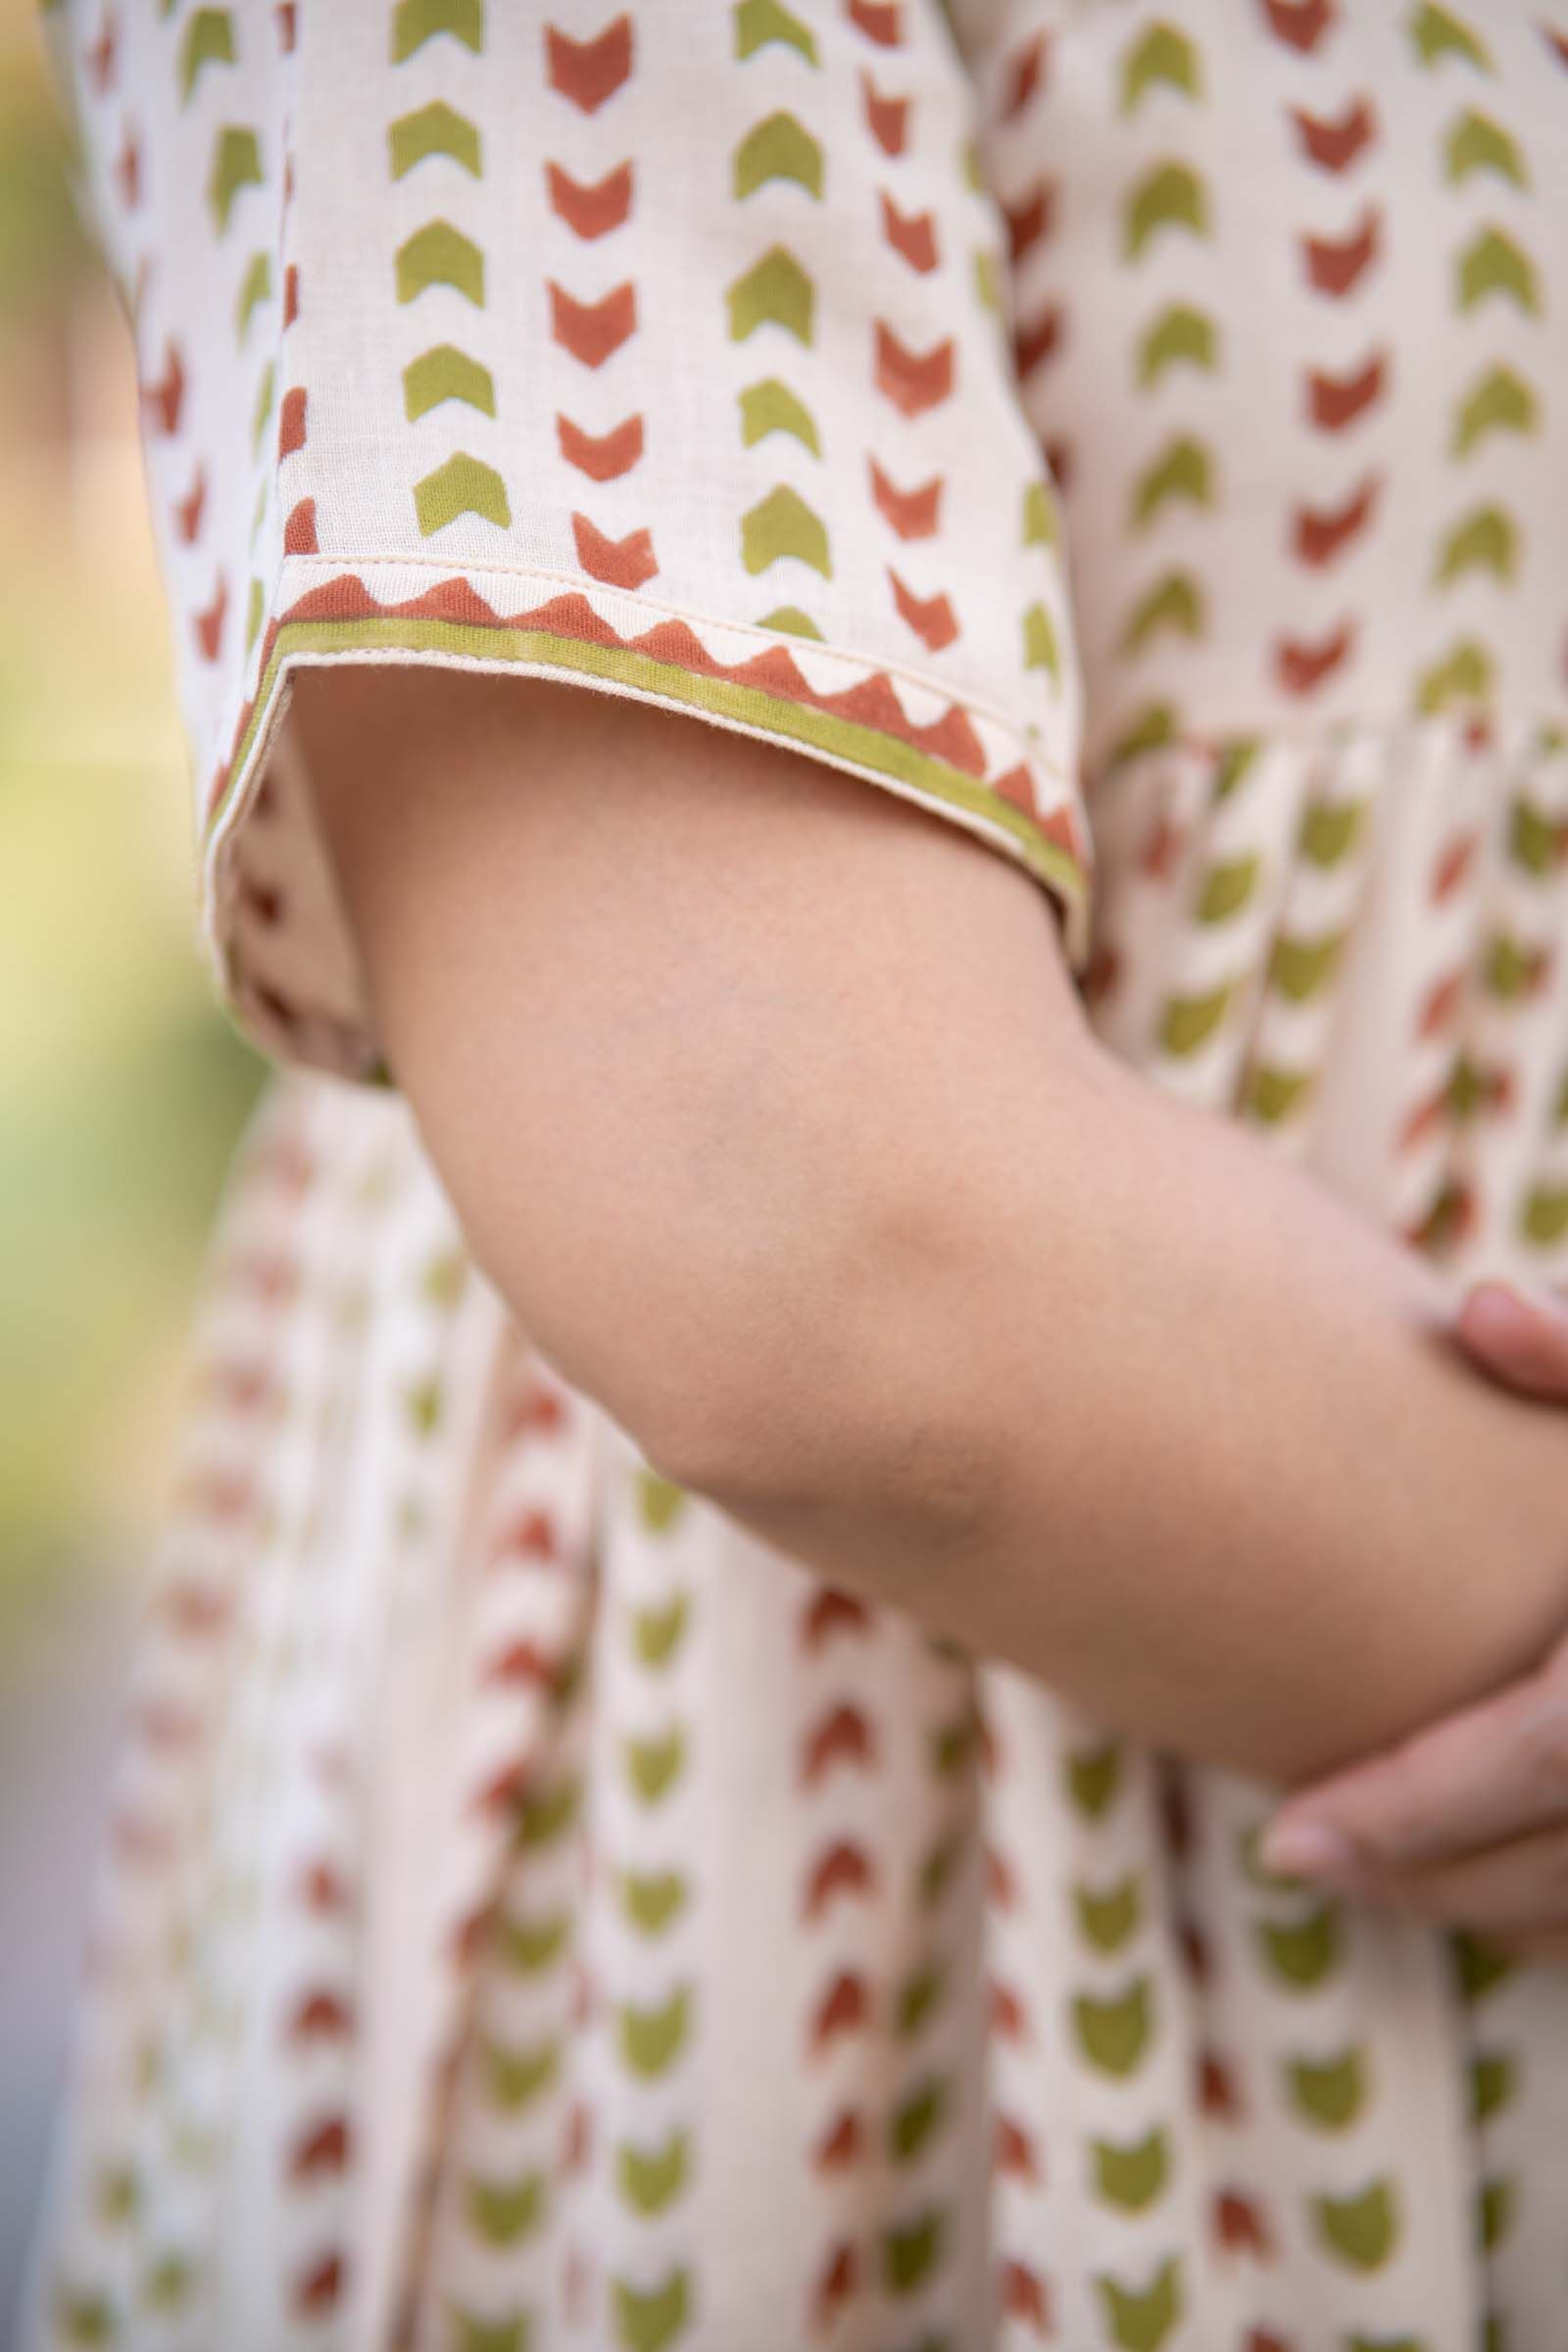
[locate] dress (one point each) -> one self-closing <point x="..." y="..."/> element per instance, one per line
<point x="540" y="1918"/>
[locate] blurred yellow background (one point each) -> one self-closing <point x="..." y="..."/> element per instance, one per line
<point x="122" y="1086"/>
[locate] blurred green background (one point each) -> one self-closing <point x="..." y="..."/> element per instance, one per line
<point x="121" y="1087"/>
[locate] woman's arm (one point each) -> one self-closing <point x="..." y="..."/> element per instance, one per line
<point x="767" y="1103"/>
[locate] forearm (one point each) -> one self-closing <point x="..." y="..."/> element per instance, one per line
<point x="767" y="1103"/>
<point x="1229" y="1485"/>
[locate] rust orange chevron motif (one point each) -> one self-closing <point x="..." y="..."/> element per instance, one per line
<point x="1337" y="143"/>
<point x="1134" y="439"/>
<point x="1300" y="23"/>
<point x="589" y="73"/>
<point x="591" y="212"/>
<point x="1320" y="536"/>
<point x="911" y="514"/>
<point x="912" y="237"/>
<point x="914" y="380"/>
<point x="1335" y="402"/>
<point x="1335" y="266"/>
<point x="602" y="457"/>
<point x="593" y="331"/>
<point x="626" y="562"/>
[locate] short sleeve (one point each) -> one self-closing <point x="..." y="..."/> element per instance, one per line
<point x="658" y="351"/>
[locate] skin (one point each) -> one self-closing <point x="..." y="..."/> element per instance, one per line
<point x="1465" y="1824"/>
<point x="767" y="1103"/>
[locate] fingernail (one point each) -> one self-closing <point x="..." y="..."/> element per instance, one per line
<point x="1532" y="1298"/>
<point x="1304" y="1849"/>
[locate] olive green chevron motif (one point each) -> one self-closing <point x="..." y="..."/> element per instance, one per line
<point x="1188" y="1022"/>
<point x="1304" y="1953"/>
<point x="1180" y="336"/>
<point x="256" y="287"/>
<point x="1113" y="2034"/>
<point x="1039" y="648"/>
<point x="1492" y="2083"/>
<point x="462" y="485"/>
<point x="1329" y="830"/>
<point x="1094" y="1777"/>
<point x="236" y="164"/>
<point x="1107" y="1919"/>
<point x="1437" y="32"/>
<point x="1360" y="2231"/>
<point x="433" y="129"/>
<point x="1509" y="967"/>
<point x="1479" y="1966"/>
<point x="911" y="2124"/>
<point x="1132" y="2176"/>
<point x="1174" y="604"/>
<point x="1492" y="264"/>
<point x="781" y="148"/>
<point x="1164" y="58"/>
<point x="1184" y="470"/>
<point x="1464" y="675"/>
<point x="1142" y="2320"/>
<point x="1544" y="1218"/>
<point x="1494" y="2212"/>
<point x="516" y="2078"/>
<point x="86" y="2318"/>
<point x="1170" y="196"/>
<point x="654" y="1899"/>
<point x="262" y="413"/>
<point x="528" y="1946"/>
<point x="910" y="2252"/>
<point x="649" y="2179"/>
<point x="1299" y="968"/>
<point x="652" y="2038"/>
<point x="207" y="41"/>
<point x="653" y="1766"/>
<point x="1533" y="838"/>
<point x="1475" y="144"/>
<point x="1236" y="762"/>
<point x="505" y="2212"/>
<point x="659" y="1502"/>
<point x="936" y="1872"/>
<point x="918" y="1998"/>
<point x="1042" y="520"/>
<point x="1487" y="541"/>
<point x="416" y="22"/>
<point x="1273" y="1094"/>
<point x="647" y="2318"/>
<point x="791" y="620"/>
<point x="169" y="2282"/>
<point x="656" y="1632"/>
<point x="783" y="524"/>
<point x="255" y="606"/>
<point x="951" y="1744"/>
<point x="775" y="291"/>
<point x="1491" y="2342"/>
<point x="471" y="2334"/>
<point x="1227" y="888"/>
<point x="770" y="407"/>
<point x="440" y="255"/>
<point x="547" y="1814"/>
<point x="1501" y="402"/>
<point x="759" y="21"/>
<point x="1330" y="2092"/>
<point x="445" y="372"/>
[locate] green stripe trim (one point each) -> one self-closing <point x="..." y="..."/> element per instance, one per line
<point x="750" y="706"/>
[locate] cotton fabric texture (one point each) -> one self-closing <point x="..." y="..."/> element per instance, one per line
<point x="539" y="1917"/>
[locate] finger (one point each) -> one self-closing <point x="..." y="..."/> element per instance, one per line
<point x="1517" y="1888"/>
<point x="1519" y="1336"/>
<point x="1496" y="1771"/>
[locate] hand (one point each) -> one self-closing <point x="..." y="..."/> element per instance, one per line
<point x="1466" y="1823"/>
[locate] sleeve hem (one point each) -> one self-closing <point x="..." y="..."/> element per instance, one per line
<point x="900" y="729"/>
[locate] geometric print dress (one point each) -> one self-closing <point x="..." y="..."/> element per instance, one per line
<point x="536" y="1916"/>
